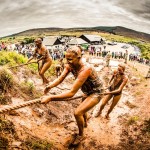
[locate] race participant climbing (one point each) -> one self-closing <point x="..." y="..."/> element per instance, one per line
<point x="116" y="85"/>
<point x="42" y="55"/>
<point x="87" y="79"/>
<point x="59" y="67"/>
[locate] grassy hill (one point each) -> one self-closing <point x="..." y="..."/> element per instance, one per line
<point x="117" y="30"/>
<point x="117" y="33"/>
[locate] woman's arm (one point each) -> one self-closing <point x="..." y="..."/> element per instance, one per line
<point x="82" y="77"/>
<point x="58" y="80"/>
<point x="125" y="80"/>
<point x="30" y="59"/>
<point x="34" y="54"/>
<point x="111" y="80"/>
<point x="40" y="58"/>
<point x="114" y="73"/>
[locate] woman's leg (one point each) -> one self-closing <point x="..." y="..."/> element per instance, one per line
<point x="114" y="103"/>
<point x="103" y="102"/>
<point x="86" y="105"/>
<point x="85" y="115"/>
<point x="81" y="110"/>
<point x="45" y="67"/>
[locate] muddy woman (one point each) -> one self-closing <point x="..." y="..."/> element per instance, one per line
<point x="42" y="55"/>
<point x="87" y="79"/>
<point x="117" y="83"/>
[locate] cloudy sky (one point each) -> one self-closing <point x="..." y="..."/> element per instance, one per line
<point x="20" y="15"/>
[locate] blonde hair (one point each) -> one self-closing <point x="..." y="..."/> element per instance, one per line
<point x="76" y="50"/>
<point x="122" y="66"/>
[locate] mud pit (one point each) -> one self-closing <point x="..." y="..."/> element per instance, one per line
<point x="55" y="122"/>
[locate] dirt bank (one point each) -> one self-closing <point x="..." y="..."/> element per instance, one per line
<point x="54" y="122"/>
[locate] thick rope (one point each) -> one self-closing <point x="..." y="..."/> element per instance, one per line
<point x="21" y="65"/>
<point x="31" y="102"/>
<point x="62" y="88"/>
<point x="9" y="108"/>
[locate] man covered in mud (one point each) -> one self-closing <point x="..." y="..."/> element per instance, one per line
<point x="116" y="85"/>
<point x="41" y="53"/>
<point x="86" y="78"/>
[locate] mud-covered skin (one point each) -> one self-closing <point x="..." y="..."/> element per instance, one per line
<point x="41" y="54"/>
<point x="84" y="75"/>
<point x="117" y="83"/>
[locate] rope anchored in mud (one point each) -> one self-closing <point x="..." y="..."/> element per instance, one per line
<point x="31" y="102"/>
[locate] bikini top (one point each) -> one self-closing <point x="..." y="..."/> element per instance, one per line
<point x="43" y="52"/>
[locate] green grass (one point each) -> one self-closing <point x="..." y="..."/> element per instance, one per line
<point x="144" y="46"/>
<point x="27" y="87"/>
<point x="6" y="79"/>
<point x="132" y="120"/>
<point x="36" y="144"/>
<point x="146" y="128"/>
<point x="4" y="143"/>
<point x="6" y="126"/>
<point x="11" y="58"/>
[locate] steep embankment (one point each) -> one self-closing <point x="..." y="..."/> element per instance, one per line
<point x="50" y="126"/>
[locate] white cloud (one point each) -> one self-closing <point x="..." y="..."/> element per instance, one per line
<point x="21" y="15"/>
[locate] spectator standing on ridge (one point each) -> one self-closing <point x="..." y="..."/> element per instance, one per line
<point x="108" y="56"/>
<point x="126" y="56"/>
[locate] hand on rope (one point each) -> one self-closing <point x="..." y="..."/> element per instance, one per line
<point x="31" y="102"/>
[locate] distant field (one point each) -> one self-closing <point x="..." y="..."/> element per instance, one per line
<point x="32" y="34"/>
